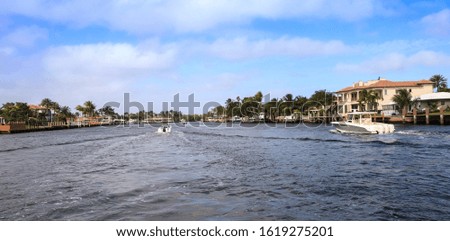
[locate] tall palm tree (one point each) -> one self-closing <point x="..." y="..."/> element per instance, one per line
<point x="439" y="82"/>
<point x="46" y="102"/>
<point x="403" y="99"/>
<point x="52" y="107"/>
<point x="89" y="107"/>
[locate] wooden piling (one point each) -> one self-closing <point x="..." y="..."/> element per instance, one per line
<point x="427" y="116"/>
<point x="415" y="115"/>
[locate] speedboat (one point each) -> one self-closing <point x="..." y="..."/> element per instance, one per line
<point x="165" y="129"/>
<point x="361" y="123"/>
<point x="236" y="119"/>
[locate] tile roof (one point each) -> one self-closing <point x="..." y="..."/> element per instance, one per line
<point x="37" y="107"/>
<point x="386" y="84"/>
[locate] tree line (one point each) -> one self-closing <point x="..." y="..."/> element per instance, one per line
<point x="51" y="111"/>
<point x="246" y="106"/>
<point x="287" y="105"/>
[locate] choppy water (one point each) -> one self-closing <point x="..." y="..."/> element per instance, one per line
<point x="222" y="173"/>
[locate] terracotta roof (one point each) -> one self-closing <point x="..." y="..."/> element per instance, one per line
<point x="37" y="107"/>
<point x="387" y="84"/>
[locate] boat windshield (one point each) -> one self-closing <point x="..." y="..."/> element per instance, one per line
<point x="360" y="118"/>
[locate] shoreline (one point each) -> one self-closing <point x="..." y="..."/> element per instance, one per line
<point x="434" y="120"/>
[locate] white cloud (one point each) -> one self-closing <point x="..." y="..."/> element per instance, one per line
<point x="105" y="60"/>
<point x="243" y="48"/>
<point x="397" y="61"/>
<point x="437" y="23"/>
<point x="147" y="16"/>
<point x="103" y="69"/>
<point x="23" y="37"/>
<point x="75" y="73"/>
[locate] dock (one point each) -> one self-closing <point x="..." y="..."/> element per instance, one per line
<point x="20" y="127"/>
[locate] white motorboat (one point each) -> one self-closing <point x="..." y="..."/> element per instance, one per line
<point x="236" y="119"/>
<point x="361" y="123"/>
<point x="165" y="129"/>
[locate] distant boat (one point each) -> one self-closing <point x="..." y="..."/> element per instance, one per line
<point x="361" y="123"/>
<point x="235" y="119"/>
<point x="133" y="121"/>
<point x="165" y="129"/>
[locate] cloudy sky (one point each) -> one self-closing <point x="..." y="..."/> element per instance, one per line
<point x="73" y="51"/>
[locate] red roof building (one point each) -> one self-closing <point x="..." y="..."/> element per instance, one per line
<point x="348" y="98"/>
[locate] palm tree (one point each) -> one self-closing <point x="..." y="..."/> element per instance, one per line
<point x="286" y="104"/>
<point x="87" y="109"/>
<point x="362" y="100"/>
<point x="80" y="109"/>
<point x="50" y="105"/>
<point x="258" y="96"/>
<point x="46" y="102"/>
<point x="439" y="82"/>
<point x="288" y="97"/>
<point x="372" y="98"/>
<point x="18" y="111"/>
<point x="107" y="110"/>
<point x="299" y="102"/>
<point x="271" y="109"/>
<point x="402" y="99"/>
<point x="64" y="113"/>
<point x="233" y="107"/>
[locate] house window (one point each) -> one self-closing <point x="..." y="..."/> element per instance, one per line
<point x="385" y="91"/>
<point x="409" y="90"/>
<point x="442" y="102"/>
<point x="354" y="96"/>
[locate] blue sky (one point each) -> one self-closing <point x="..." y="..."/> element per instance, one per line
<point x="73" y="51"/>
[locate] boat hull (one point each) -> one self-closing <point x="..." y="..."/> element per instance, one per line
<point x="373" y="128"/>
<point x="353" y="130"/>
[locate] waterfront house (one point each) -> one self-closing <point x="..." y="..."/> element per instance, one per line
<point x="348" y="99"/>
<point x="40" y="111"/>
<point x="434" y="101"/>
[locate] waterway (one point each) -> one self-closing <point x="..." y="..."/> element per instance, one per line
<point x="246" y="172"/>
